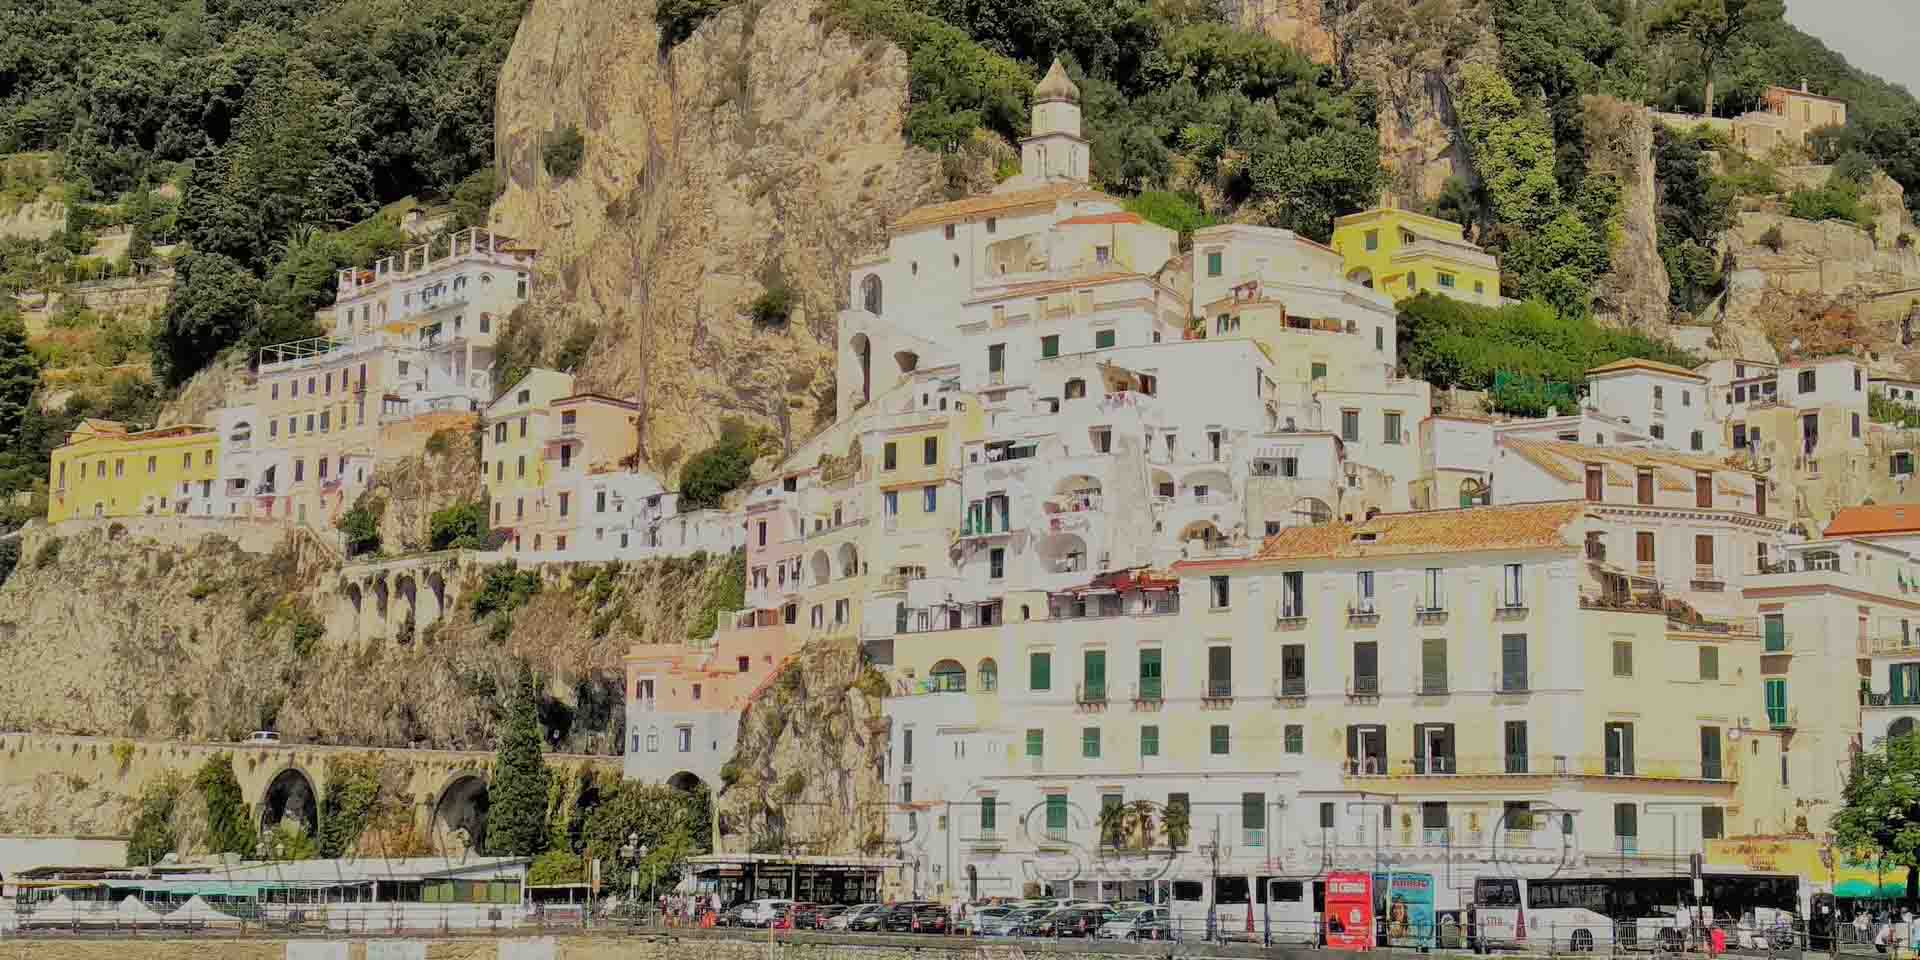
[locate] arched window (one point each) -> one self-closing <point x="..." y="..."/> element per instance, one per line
<point x="989" y="675"/>
<point x="949" y="677"/>
<point x="1902" y="727"/>
<point x="870" y="293"/>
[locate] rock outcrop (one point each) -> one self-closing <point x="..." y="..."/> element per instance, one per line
<point x="763" y="153"/>
<point x="1635" y="290"/>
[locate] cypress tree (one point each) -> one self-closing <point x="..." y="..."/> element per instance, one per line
<point x="517" y="795"/>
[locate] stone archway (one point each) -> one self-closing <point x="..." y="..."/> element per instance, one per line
<point x="460" y="815"/>
<point x="686" y="781"/>
<point x="406" y="590"/>
<point x="437" y="598"/>
<point x="355" y="597"/>
<point x="380" y="601"/>
<point x="291" y="795"/>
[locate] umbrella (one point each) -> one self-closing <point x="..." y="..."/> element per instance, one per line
<point x="198" y="911"/>
<point x="131" y="910"/>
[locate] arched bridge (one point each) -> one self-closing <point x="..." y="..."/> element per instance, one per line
<point x="448" y="788"/>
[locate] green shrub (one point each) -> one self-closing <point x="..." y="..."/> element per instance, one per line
<point x="361" y="524"/>
<point x="728" y="592"/>
<point x="773" y="307"/>
<point x="203" y="589"/>
<point x="565" y="148"/>
<point x="49" y="553"/>
<point x="557" y="866"/>
<point x="714" y="472"/>
<point x="1838" y="200"/>
<point x="9" y="558"/>
<point x="462" y="526"/>
<point x="1180" y="212"/>
<point x="306" y="632"/>
<point x="504" y="588"/>
<point x="1452" y="343"/>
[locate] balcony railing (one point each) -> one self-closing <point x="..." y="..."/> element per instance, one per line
<point x="1090" y="693"/>
<point x="1218" y="690"/>
<point x="1905" y="698"/>
<point x="1427" y="612"/>
<point x="1783" y="718"/>
<point x="1894" y="644"/>
<point x="1511" y="682"/>
<point x="1509" y="610"/>
<point x="1363" y="612"/>
<point x="1363" y="685"/>
<point x="1429" y="765"/>
<point x="1147" y="691"/>
<point x="1287" y="687"/>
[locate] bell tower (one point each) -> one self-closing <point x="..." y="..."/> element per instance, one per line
<point x="1055" y="150"/>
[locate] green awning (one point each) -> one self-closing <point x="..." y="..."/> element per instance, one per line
<point x="1853" y="888"/>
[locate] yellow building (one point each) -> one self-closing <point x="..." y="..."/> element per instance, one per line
<point x="104" y="471"/>
<point x="513" y="444"/>
<point x="1401" y="253"/>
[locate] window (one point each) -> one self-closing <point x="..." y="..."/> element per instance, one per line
<point x="1050" y="346"/>
<point x="1039" y="671"/>
<point x="1294" y="738"/>
<point x="1856" y="426"/>
<point x="1326" y="815"/>
<point x="519" y="507"/>
<point x="1856" y="383"/>
<point x="1318" y="371"/>
<point x="1366" y="667"/>
<point x="683" y="739"/>
<point x="1363" y="591"/>
<point x="1776" y="703"/>
<point x="1102" y="254"/>
<point x="299" y="470"/>
<point x="1516" y="747"/>
<point x="1511" y="579"/>
<point x="565" y="499"/>
<point x="1253" y="819"/>
<point x="1103" y="339"/>
<point x="1643" y="486"/>
<point x="1513" y="662"/>
<point x="523" y="420"/>
<point x="1619" y="744"/>
<point x="743" y="663"/>
<point x="1446" y="280"/>
<point x="1219" y="740"/>
<point x="988" y="816"/>
<point x="1390" y="430"/>
<point x="1623" y="658"/>
<point x="1806" y="381"/>
<point x="1090" y="743"/>
<point x="906" y="746"/>
<point x="1703" y="490"/>
<point x="1293" y="670"/>
<point x="1709" y="662"/>
<point x="1709" y="753"/>
<point x="1149" y="740"/>
<point x="1373" y="239"/>
<point x="323" y="468"/>
<point x="993" y="224"/>
<point x="997" y="563"/>
<point x="1350" y="425"/>
<point x="1219" y="592"/>
<point x="1433" y="665"/>
<point x="1215" y="263"/>
<point x="566" y="456"/>
<point x="930" y="451"/>
<point x="1626" y="827"/>
<point x="889" y="456"/>
<point x="1149" y="689"/>
<point x="1698" y="440"/>
<point x="930" y="499"/>
<point x="1659" y="399"/>
<point x="153" y="464"/>
<point x="1293" y="595"/>
<point x="1703" y="556"/>
<point x="1595" y="485"/>
<point x="1036" y="742"/>
<point x="1219" y="671"/>
<point x="1433" y="590"/>
<point x="949" y="231"/>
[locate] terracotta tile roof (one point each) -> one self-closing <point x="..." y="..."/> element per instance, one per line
<point x="1099" y="218"/>
<point x="1877" y="519"/>
<point x="1655" y="366"/>
<point x="1557" y="457"/>
<point x="991" y="203"/>
<point x="1037" y="287"/>
<point x="1523" y="526"/>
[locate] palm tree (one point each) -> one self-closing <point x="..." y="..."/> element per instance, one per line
<point x="1140" y="821"/>
<point x="1178" y="824"/>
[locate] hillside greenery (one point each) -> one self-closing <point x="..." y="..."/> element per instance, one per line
<point x="1452" y="343"/>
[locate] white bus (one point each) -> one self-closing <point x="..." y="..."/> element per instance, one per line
<point x="1584" y="911"/>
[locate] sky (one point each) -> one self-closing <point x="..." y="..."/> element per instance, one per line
<point x="1881" y="37"/>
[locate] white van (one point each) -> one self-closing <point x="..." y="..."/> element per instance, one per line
<point x="263" y="737"/>
<point x="759" y="913"/>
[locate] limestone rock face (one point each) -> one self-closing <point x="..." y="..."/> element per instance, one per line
<point x="1410" y="51"/>
<point x="765" y="151"/>
<point x="1634" y="292"/>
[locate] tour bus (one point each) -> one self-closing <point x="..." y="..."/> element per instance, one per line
<point x="1286" y="910"/>
<point x="1627" y="910"/>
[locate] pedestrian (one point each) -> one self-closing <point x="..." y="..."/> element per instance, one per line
<point x="1861" y="928"/>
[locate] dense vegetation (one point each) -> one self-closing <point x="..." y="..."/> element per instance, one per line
<point x="1452" y="343"/>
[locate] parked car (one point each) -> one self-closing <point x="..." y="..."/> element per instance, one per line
<point x="263" y="738"/>
<point x="732" y="916"/>
<point x="786" y="917"/>
<point x="1008" y="924"/>
<point x="976" y="921"/>
<point x="931" y="918"/>
<point x="1078" y="921"/>
<point x="853" y="914"/>
<point x="1139" y="923"/>
<point x="899" y="918"/>
<point x="865" y="918"/>
<point x="821" y="915"/>
<point x="763" y="912"/>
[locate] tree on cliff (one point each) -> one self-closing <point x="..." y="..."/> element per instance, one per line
<point x="1881" y="806"/>
<point x="19" y="374"/>
<point x="153" y="835"/>
<point x="517" y="796"/>
<point x="229" y="828"/>
<point x="1713" y="26"/>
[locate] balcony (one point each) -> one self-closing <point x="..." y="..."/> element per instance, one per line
<point x="1363" y="687"/>
<point x="1646" y="569"/>
<point x="1428" y="613"/>
<point x="1783" y="718"/>
<point x="1146" y="693"/>
<point x="1516" y="682"/>
<point x="1218" y="694"/>
<point x="1291" y="617"/>
<point x="1363" y="615"/>
<point x="1509" y="610"/>
<point x="1707" y="578"/>
<point x="1434" y="766"/>
<point x="1432" y="686"/>
<point x="1370" y="765"/>
<point x="1894" y="644"/>
<point x="1290" y="688"/>
<point x="1904" y="698"/>
<point x="1090" y="694"/>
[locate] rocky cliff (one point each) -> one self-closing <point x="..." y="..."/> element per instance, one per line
<point x="1634" y="292"/>
<point x="763" y="153"/>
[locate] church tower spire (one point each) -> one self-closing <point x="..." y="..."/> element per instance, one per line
<point x="1055" y="150"/>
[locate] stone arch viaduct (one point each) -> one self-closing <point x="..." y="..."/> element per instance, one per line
<point x="448" y="788"/>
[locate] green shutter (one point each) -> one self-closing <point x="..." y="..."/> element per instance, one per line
<point x="1149" y="674"/>
<point x="1050" y="346"/>
<point x="1096" y="675"/>
<point x="1056" y="811"/>
<point x="987" y="815"/>
<point x="1036" y="742"/>
<point x="1103" y="338"/>
<point x="1090" y="743"/>
<point x="1150" y="741"/>
<point x="1776" y="634"/>
<point x="1896" y="683"/>
<point x="1220" y="740"/>
<point x="1040" y="671"/>
<point x="1777" y="702"/>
